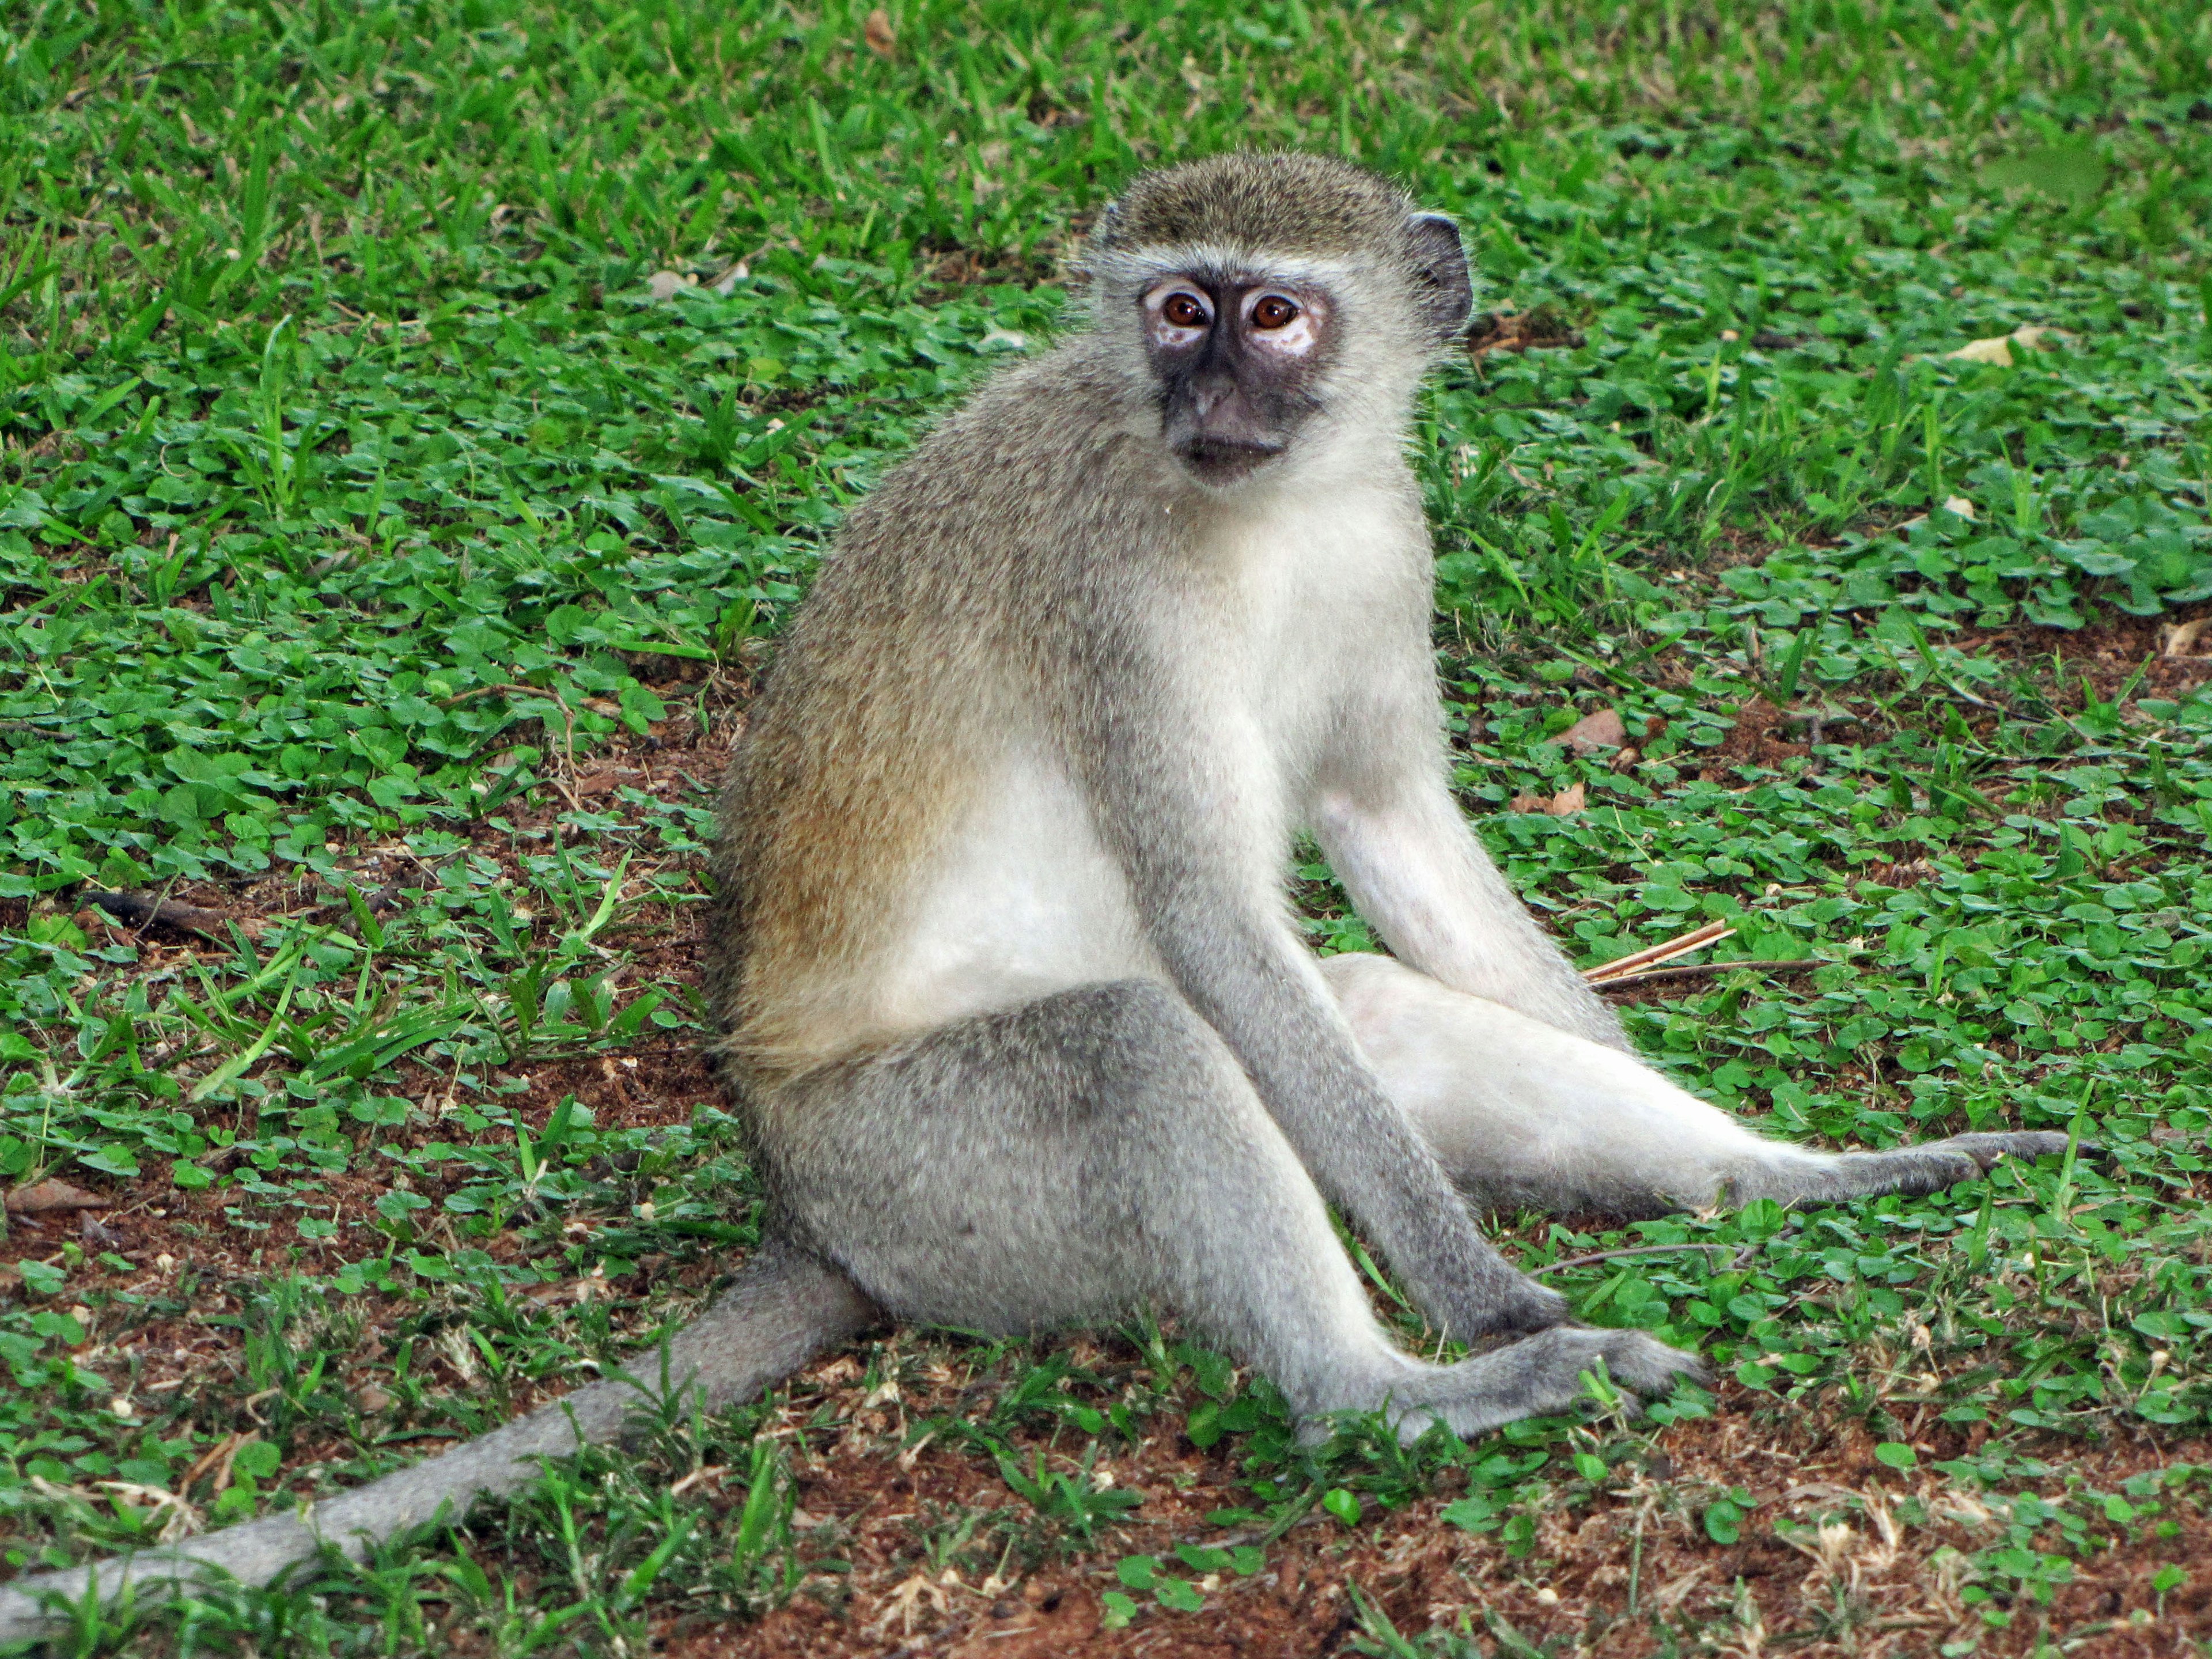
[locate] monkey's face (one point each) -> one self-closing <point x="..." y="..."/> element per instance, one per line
<point x="1237" y="360"/>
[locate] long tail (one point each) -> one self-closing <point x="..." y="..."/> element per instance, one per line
<point x="785" y="1308"/>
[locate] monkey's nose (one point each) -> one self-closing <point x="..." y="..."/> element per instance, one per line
<point x="1206" y="395"/>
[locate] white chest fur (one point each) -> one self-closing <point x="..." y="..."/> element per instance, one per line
<point x="1023" y="900"/>
<point x="1323" y="586"/>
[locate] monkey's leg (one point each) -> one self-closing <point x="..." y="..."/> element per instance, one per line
<point x="1522" y="1113"/>
<point x="784" y="1308"/>
<point x="1099" y="1148"/>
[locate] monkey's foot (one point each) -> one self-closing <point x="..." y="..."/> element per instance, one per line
<point x="1988" y="1151"/>
<point x="1540" y="1376"/>
<point x="1907" y="1170"/>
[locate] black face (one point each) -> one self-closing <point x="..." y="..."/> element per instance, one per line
<point x="1237" y="361"/>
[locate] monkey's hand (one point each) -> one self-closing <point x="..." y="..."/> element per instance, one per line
<point x="1526" y="1306"/>
<point x="1498" y="1303"/>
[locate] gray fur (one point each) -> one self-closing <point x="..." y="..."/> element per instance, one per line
<point x="1929" y="1167"/>
<point x="1182" y="666"/>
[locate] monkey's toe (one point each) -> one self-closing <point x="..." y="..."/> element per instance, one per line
<point x="1541" y="1375"/>
<point x="1990" y="1149"/>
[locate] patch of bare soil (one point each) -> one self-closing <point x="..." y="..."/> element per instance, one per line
<point x="167" y="1238"/>
<point x="1604" y="1578"/>
<point x="1762" y="737"/>
<point x="2173" y="651"/>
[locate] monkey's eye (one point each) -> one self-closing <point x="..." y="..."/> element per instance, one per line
<point x="1184" y="311"/>
<point x="1275" y="312"/>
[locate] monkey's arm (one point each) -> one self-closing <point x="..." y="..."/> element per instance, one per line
<point x="1202" y="861"/>
<point x="1416" y="873"/>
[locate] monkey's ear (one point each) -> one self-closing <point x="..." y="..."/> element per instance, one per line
<point x="1448" y="294"/>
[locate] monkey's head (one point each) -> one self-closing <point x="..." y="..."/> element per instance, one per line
<point x="1264" y="301"/>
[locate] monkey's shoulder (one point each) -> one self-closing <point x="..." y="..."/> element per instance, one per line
<point x="1039" y="440"/>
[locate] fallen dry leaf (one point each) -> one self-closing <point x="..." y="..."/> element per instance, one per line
<point x="183" y="1520"/>
<point x="1997" y="349"/>
<point x="2181" y="638"/>
<point x="606" y="783"/>
<point x="1567" y="802"/>
<point x="1519" y="332"/>
<point x="667" y="284"/>
<point x="48" y="1196"/>
<point x="904" y="1603"/>
<point x="882" y="39"/>
<point x="1529" y="804"/>
<point x="1602" y="730"/>
<point x="1959" y="505"/>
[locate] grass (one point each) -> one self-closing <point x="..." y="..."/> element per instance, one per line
<point x="415" y="422"/>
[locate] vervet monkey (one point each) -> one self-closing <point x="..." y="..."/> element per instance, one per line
<point x="1022" y="1028"/>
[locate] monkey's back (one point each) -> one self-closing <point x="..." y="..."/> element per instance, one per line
<point x="916" y="658"/>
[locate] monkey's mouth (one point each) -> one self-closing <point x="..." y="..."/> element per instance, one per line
<point x="1225" y="460"/>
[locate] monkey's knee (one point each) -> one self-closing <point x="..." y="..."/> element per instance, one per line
<point x="1374" y="991"/>
<point x="1020" y="1169"/>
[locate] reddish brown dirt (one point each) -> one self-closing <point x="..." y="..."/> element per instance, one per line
<point x="1865" y="1585"/>
<point x="2108" y="652"/>
<point x="1869" y="1594"/>
<point x="1761" y="738"/>
<point x="167" y="1237"/>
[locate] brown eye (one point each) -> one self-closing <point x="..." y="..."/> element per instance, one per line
<point x="1184" y="311"/>
<point x="1273" y="311"/>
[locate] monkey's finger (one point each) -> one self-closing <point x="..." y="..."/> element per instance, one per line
<point x="1524" y="1309"/>
<point x="1649" y="1366"/>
